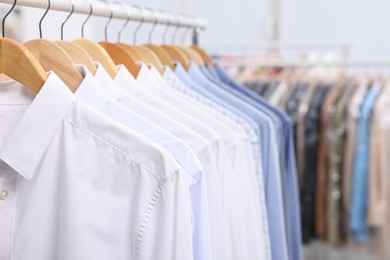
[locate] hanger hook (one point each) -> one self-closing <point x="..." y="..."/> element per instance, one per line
<point x="109" y="19"/>
<point x="166" y="29"/>
<point x="67" y="18"/>
<point x="43" y="17"/>
<point x="154" y="22"/>
<point x="86" y="20"/>
<point x="5" y="16"/>
<point x="126" y="23"/>
<point x="178" y="25"/>
<point x="189" y="27"/>
<point x="140" y="24"/>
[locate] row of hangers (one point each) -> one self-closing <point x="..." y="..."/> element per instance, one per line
<point x="28" y="63"/>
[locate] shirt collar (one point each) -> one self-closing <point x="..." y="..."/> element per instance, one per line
<point x="89" y="90"/>
<point x="24" y="148"/>
<point x="157" y="76"/>
<point x="124" y="79"/>
<point x="146" y="79"/>
<point x="195" y="73"/>
<point x="106" y="82"/>
<point x="183" y="75"/>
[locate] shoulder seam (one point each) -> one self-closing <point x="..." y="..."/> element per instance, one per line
<point x="112" y="147"/>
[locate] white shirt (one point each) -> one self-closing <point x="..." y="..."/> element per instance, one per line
<point x="92" y="94"/>
<point x="81" y="186"/>
<point x="244" y="166"/>
<point x="204" y="149"/>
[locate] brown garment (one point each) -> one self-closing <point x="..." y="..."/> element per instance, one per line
<point x="378" y="208"/>
<point x="378" y="167"/>
<point x="327" y="112"/>
<point x="337" y="136"/>
<point x="302" y="109"/>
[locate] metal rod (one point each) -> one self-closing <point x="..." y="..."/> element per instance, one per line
<point x="281" y="45"/>
<point x="298" y="63"/>
<point x="100" y="9"/>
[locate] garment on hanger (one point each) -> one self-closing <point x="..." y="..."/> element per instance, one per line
<point x="76" y="163"/>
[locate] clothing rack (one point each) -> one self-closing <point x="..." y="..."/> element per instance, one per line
<point x="119" y="11"/>
<point x="281" y="45"/>
<point x="298" y="63"/>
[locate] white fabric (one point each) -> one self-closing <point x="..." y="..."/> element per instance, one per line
<point x="243" y="175"/>
<point x="81" y="186"/>
<point x="204" y="149"/>
<point x="253" y="135"/>
<point x="92" y="94"/>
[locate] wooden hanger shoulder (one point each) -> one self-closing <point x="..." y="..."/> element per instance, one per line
<point x="120" y="56"/>
<point x="151" y="57"/>
<point x="17" y="62"/>
<point x="162" y="54"/>
<point x="52" y="57"/>
<point x="99" y="54"/>
<point x="192" y="56"/>
<point x="206" y="58"/>
<point x="78" y="55"/>
<point x="177" y="55"/>
<point x="131" y="50"/>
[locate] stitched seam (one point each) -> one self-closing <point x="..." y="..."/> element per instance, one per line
<point x="14" y="218"/>
<point x="149" y="211"/>
<point x="112" y="147"/>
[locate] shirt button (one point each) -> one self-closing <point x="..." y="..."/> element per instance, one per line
<point x="3" y="194"/>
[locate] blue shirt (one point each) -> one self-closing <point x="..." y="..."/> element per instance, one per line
<point x="358" y="223"/>
<point x="290" y="182"/>
<point x="269" y="154"/>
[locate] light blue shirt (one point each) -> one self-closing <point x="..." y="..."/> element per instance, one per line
<point x="269" y="154"/>
<point x="358" y="223"/>
<point x="287" y="155"/>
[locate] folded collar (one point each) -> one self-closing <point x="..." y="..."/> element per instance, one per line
<point x="24" y="148"/>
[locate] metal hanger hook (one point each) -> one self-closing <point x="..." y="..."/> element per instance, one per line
<point x="140" y="24"/>
<point x="126" y="23"/>
<point x="189" y="27"/>
<point x="178" y="25"/>
<point x="5" y="16"/>
<point x="43" y="17"/>
<point x="166" y="29"/>
<point x="109" y="19"/>
<point x="86" y="20"/>
<point x="154" y="22"/>
<point x="67" y="18"/>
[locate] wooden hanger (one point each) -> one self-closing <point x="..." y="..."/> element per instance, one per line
<point x="121" y="56"/>
<point x="118" y="55"/>
<point x="75" y="52"/>
<point x="192" y="56"/>
<point x="19" y="64"/>
<point x="132" y="51"/>
<point x="52" y="57"/>
<point x="206" y="58"/>
<point x="162" y="54"/>
<point x="99" y="54"/>
<point x="150" y="57"/>
<point x="177" y="55"/>
<point x="78" y="55"/>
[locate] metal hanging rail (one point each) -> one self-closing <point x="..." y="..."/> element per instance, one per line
<point x="297" y="63"/>
<point x="120" y="11"/>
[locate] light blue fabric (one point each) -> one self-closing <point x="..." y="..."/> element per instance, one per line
<point x="268" y="149"/>
<point x="358" y="223"/>
<point x="289" y="177"/>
